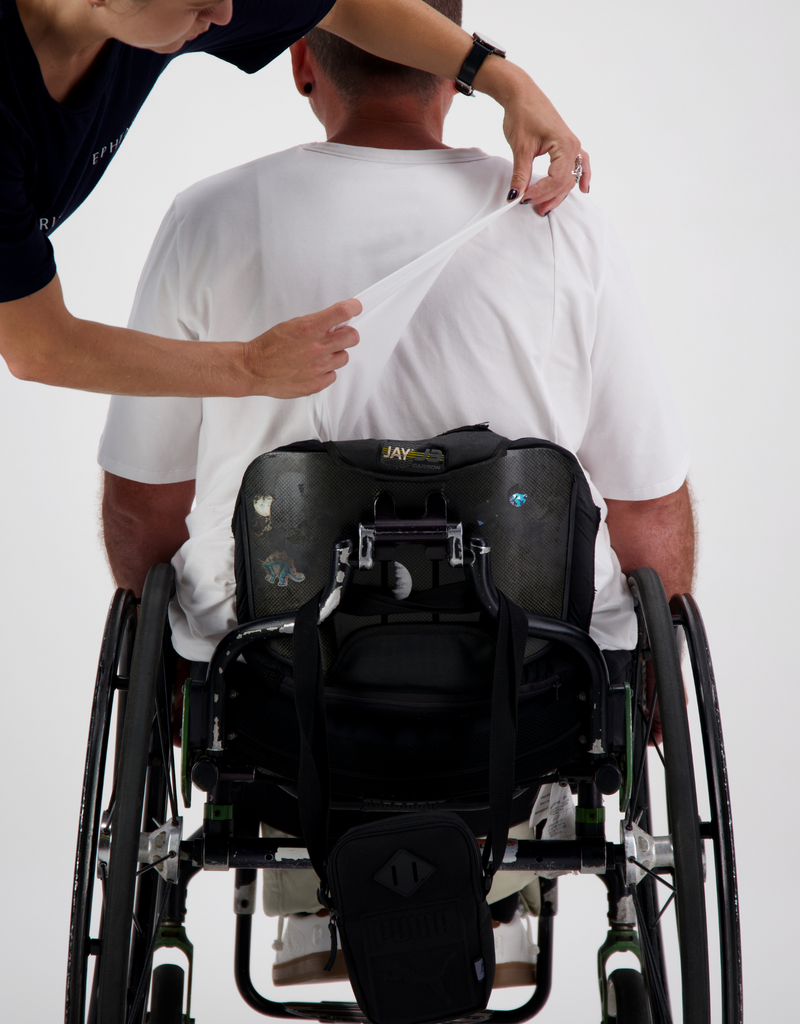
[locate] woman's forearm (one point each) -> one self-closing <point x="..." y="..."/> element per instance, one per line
<point x="41" y="341"/>
<point x="405" y="31"/>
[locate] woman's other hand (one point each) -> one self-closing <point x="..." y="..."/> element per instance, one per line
<point x="410" y="32"/>
<point x="533" y="127"/>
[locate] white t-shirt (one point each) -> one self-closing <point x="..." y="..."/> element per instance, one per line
<point x="533" y="326"/>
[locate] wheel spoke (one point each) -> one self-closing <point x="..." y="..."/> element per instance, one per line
<point x="144" y="980"/>
<point x="661" y="912"/>
<point x="154" y="863"/>
<point x="165" y="742"/>
<point x="643" y="758"/>
<point x="658" y="878"/>
<point x="172" y="782"/>
<point x="658" y="996"/>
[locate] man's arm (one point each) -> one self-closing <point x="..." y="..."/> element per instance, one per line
<point x="143" y="524"/>
<point x="659" y="533"/>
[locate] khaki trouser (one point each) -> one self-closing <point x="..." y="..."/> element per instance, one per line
<point x="294" y="890"/>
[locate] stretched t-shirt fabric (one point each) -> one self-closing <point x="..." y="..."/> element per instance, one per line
<point x="533" y="326"/>
<point x="53" y="154"/>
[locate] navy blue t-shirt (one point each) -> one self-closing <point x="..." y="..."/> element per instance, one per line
<point x="52" y="154"/>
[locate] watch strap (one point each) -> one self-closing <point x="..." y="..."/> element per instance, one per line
<point x="481" y="49"/>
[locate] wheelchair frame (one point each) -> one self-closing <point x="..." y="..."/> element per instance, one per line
<point x="144" y="872"/>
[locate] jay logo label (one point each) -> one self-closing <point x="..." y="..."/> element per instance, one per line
<point x="394" y="452"/>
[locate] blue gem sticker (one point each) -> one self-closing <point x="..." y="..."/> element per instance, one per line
<point x="518" y="499"/>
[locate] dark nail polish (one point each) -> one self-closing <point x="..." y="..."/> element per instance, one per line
<point x="512" y="195"/>
<point x="525" y="202"/>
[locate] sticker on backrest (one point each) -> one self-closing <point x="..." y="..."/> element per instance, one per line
<point x="399" y="454"/>
<point x="279" y="568"/>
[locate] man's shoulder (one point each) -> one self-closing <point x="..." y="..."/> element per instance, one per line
<point x="581" y="234"/>
<point x="579" y="215"/>
<point x="235" y="187"/>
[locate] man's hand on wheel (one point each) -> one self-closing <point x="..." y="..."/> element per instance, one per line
<point x="301" y="356"/>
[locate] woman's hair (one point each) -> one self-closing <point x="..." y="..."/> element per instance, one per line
<point x="355" y="73"/>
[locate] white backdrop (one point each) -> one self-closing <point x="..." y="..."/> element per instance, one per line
<point x="689" y="112"/>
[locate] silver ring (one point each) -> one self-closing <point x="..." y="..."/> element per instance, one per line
<point x="578" y="172"/>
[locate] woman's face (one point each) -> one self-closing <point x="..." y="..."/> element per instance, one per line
<point x="162" y="25"/>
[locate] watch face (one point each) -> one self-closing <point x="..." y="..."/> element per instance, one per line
<point x="490" y="43"/>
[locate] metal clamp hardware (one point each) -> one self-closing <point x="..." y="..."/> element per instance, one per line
<point x="338" y="579"/>
<point x="104" y="845"/>
<point x="643" y="851"/>
<point x="366" y="546"/>
<point x="431" y="528"/>
<point x="162" y="849"/>
<point x="455" y="544"/>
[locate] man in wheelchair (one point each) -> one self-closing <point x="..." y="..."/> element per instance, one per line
<point x="534" y="327"/>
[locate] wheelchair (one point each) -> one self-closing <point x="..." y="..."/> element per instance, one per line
<point x="408" y="705"/>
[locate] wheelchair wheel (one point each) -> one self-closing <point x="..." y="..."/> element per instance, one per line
<point x="688" y="887"/>
<point x="144" y="798"/>
<point x="630" y="997"/>
<point x="112" y="673"/>
<point x="720" y="828"/>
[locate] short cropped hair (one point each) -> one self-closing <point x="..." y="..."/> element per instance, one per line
<point x="356" y="73"/>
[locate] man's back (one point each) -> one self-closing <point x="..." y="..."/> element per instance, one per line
<point x="533" y="326"/>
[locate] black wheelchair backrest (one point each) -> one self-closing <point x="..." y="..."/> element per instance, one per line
<point x="528" y="498"/>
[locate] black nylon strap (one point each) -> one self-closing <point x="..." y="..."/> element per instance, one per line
<point x="313" y="784"/>
<point x="313" y="780"/>
<point x="453" y="597"/>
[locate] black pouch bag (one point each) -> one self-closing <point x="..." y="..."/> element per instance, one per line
<point x="409" y="893"/>
<point x="413" y="919"/>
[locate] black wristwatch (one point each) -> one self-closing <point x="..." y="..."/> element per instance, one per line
<point x="481" y="49"/>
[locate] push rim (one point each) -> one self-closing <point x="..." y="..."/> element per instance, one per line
<point x="112" y="673"/>
<point x="688" y="890"/>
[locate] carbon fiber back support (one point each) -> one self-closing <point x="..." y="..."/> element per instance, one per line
<point x="529" y="498"/>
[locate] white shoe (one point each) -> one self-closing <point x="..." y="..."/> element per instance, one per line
<point x="302" y="949"/>
<point x="515" y="952"/>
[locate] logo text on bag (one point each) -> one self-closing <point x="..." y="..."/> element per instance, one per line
<point x="410" y="928"/>
<point x="427" y="458"/>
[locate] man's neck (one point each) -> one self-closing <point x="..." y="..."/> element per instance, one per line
<point x="387" y="125"/>
<point x="385" y="135"/>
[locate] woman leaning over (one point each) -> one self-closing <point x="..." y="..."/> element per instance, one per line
<point x="74" y="73"/>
